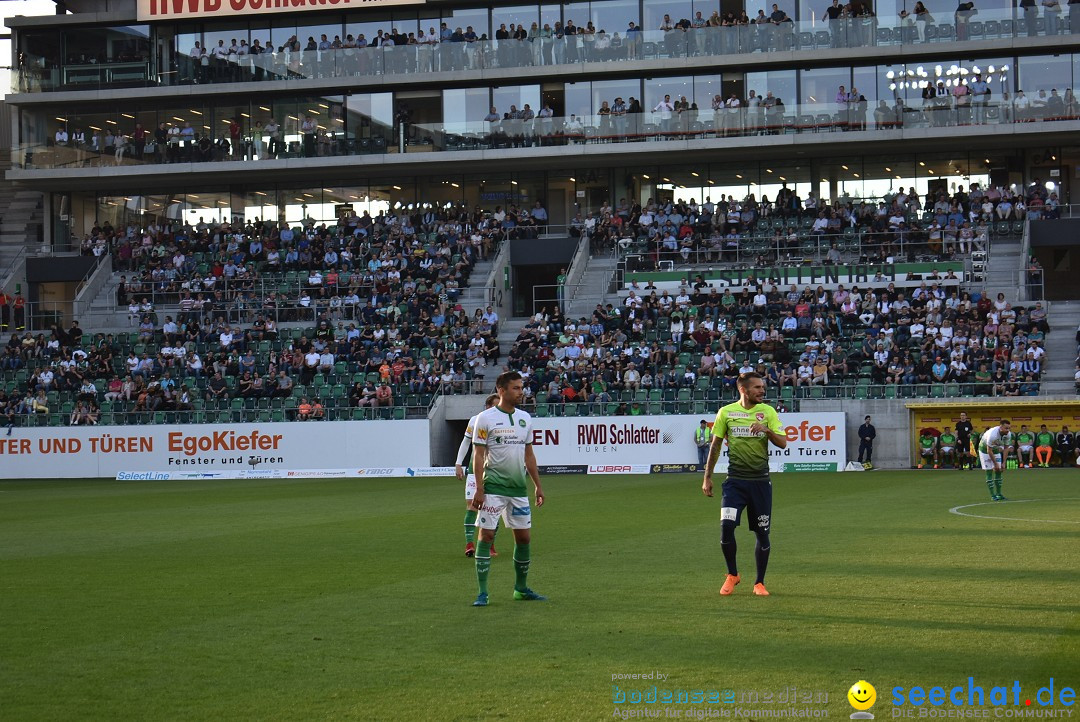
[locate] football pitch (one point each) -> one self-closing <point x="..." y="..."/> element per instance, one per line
<point x="350" y="599"/>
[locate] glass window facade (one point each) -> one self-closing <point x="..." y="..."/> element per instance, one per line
<point x="934" y="93"/>
<point x="293" y="46"/>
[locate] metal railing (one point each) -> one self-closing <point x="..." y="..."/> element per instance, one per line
<point x="285" y="62"/>
<point x="767" y="243"/>
<point x="40" y="316"/>
<point x="553" y="296"/>
<point x="285" y="289"/>
<point x="96" y="277"/>
<point x="9" y="274"/>
<point x="1030" y="283"/>
<point x="1063" y="210"/>
<point x="125" y="417"/>
<point x="650" y="126"/>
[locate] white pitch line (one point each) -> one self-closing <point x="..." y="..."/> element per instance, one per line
<point x="956" y="510"/>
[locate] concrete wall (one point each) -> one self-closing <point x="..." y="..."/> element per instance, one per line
<point x="892" y="448"/>
<point x="503" y="298"/>
<point x="443" y="444"/>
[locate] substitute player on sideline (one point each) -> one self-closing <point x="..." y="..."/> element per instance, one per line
<point x="749" y="427"/>
<point x="993" y="449"/>
<point x="947" y="448"/>
<point x="465" y="473"/>
<point x="1025" y="447"/>
<point x="502" y="457"/>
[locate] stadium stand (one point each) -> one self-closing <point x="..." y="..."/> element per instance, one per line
<point x="661" y="353"/>
<point x="267" y="322"/>
<point x="676" y="342"/>
<point x="794" y="229"/>
<point x="205" y="304"/>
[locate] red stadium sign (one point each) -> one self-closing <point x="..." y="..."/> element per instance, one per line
<point x="174" y="9"/>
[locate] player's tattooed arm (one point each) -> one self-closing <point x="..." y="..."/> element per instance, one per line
<point x="714" y="456"/>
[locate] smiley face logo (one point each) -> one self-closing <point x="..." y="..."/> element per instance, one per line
<point x="862" y="695"/>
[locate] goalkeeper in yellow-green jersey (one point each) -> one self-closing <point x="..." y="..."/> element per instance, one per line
<point x="749" y="426"/>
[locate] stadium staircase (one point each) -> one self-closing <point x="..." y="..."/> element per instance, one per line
<point x="1003" y="273"/>
<point x="1003" y="268"/>
<point x="594" y="288"/>
<point x="509" y="328"/>
<point x="104" y="315"/>
<point x="22" y="223"/>
<point x="1060" y="360"/>
<point x="476" y="295"/>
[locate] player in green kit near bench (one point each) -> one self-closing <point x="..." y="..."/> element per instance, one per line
<point x="749" y="426"/>
<point x="927" y="449"/>
<point x="946" y="448"/>
<point x="1044" y="446"/>
<point x="1025" y="447"/>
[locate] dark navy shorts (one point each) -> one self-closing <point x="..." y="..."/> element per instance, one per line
<point x="754" y="496"/>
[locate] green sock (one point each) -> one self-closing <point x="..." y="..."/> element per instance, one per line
<point x="990" y="482"/>
<point x="483" y="564"/>
<point x="521" y="567"/>
<point x="470" y="526"/>
<point x="997" y="483"/>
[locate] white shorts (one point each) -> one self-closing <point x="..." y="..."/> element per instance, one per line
<point x="927" y="452"/>
<point x="988" y="462"/>
<point x="470" y="487"/>
<point x="1026" y="449"/>
<point x="514" y="510"/>
<point x="945" y="449"/>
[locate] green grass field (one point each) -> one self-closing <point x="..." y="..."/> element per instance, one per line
<point x="310" y="600"/>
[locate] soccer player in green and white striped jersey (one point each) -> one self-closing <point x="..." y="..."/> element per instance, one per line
<point x="465" y="473"/>
<point x="503" y="460"/>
